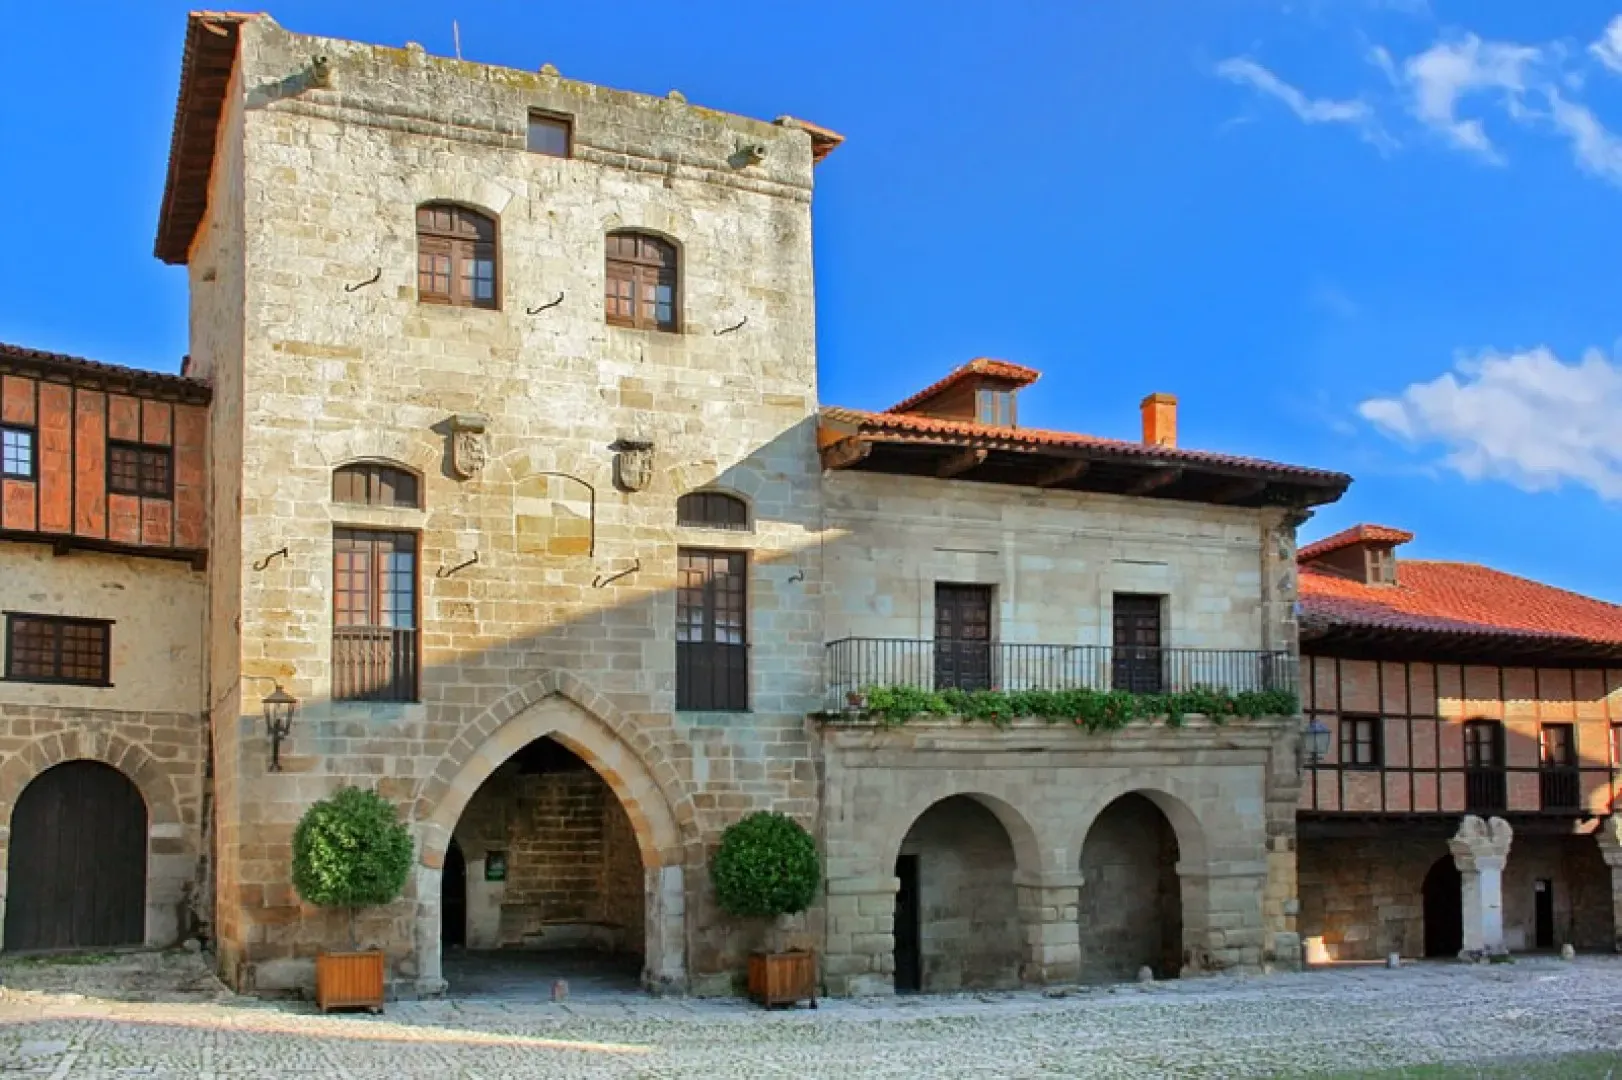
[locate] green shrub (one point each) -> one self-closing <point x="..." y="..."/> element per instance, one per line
<point x="767" y="865"/>
<point x="351" y="851"/>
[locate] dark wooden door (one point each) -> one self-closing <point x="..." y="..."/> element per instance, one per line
<point x="453" y="899"/>
<point x="1543" y="912"/>
<point x="1444" y="909"/>
<point x="1136" y="664"/>
<point x="909" y="952"/>
<point x="77" y="872"/>
<point x="963" y="637"/>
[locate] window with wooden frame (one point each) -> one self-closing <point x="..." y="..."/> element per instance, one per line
<point x="712" y="510"/>
<point x="994" y="408"/>
<point x="369" y="483"/>
<point x="1557" y="746"/>
<point x="58" y="649"/>
<point x="456" y="256"/>
<point x="712" y="651"/>
<point x="1483" y="744"/>
<point x="17" y="452"/>
<point x="1361" y="746"/>
<point x="138" y="469"/>
<point x="1382" y="566"/>
<point x="374" y="615"/>
<point x="550" y="134"/>
<point x="642" y="279"/>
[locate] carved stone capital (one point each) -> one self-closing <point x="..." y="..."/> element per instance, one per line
<point x="1481" y="845"/>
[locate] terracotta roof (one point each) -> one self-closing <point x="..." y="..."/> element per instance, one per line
<point x="205" y="72"/>
<point x="1450" y="598"/>
<point x="1357" y="534"/>
<point x="985" y="366"/>
<point x="90" y="373"/>
<point x="824" y="141"/>
<point x="931" y="429"/>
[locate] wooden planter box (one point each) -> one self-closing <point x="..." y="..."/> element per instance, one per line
<point x="349" y="980"/>
<point x="786" y="978"/>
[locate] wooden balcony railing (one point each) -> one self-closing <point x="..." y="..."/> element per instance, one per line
<point x="1560" y="791"/>
<point x="856" y="664"/>
<point x="374" y="663"/>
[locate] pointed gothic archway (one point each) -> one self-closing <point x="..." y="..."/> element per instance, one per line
<point x="554" y="712"/>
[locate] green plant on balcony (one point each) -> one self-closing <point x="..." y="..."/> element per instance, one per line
<point x="1094" y="710"/>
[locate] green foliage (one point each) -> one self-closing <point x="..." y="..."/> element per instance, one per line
<point x="1094" y="710"/>
<point x="351" y="851"/>
<point x="767" y="865"/>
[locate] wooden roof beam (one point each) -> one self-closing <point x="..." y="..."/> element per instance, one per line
<point x="1237" y="491"/>
<point x="961" y="462"/>
<point x="1155" y="480"/>
<point x="843" y="453"/>
<point x="1062" y="473"/>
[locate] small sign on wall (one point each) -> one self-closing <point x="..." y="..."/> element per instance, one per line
<point x="495" y="866"/>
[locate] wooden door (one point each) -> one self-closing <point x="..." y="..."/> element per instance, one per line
<point x="963" y="637"/>
<point x="909" y="952"/>
<point x="1136" y="665"/>
<point x="77" y="872"/>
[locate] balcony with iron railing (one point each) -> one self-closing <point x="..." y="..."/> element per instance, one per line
<point x="857" y="665"/>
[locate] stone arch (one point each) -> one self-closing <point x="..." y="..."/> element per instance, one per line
<point x="665" y="823"/>
<point x="1192" y="843"/>
<point x="469" y="189"/>
<point x="1022" y="834"/>
<point x="165" y="890"/>
<point x="406" y="449"/>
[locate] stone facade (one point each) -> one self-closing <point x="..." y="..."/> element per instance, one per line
<point x="565" y="625"/>
<point x="146" y="724"/>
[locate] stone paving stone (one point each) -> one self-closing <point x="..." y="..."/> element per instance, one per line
<point x="1220" y="1027"/>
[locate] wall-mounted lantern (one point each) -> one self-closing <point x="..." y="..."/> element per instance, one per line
<point x="1314" y="742"/>
<point x="280" y="708"/>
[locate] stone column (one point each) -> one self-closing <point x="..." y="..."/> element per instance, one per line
<point x="1480" y="850"/>
<point x="430" y="972"/>
<point x="1048" y="913"/>
<point x="1222" y="915"/>
<point x="1609" y="838"/>
<point x="860" y="957"/>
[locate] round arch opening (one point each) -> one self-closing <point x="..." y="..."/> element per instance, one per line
<point x="957" y="923"/>
<point x="1130" y="907"/>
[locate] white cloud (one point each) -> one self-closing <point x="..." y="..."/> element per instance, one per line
<point x="1596" y="147"/>
<point x="1447" y="72"/>
<point x="1527" y="418"/>
<point x="1355" y="113"/>
<point x="1608" y="49"/>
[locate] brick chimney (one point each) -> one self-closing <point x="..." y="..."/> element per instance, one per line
<point x="1159" y="420"/>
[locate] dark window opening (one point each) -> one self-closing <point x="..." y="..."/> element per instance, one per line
<point x="58" y="649"/>
<point x="1485" y="787"/>
<point x="1360" y="742"/>
<point x="1137" y="665"/>
<point x="550" y="135"/>
<point x="456" y="256"/>
<point x="134" y="469"/>
<point x="17" y="453"/>
<point x="368" y="484"/>
<point x="1559" y="782"/>
<point x="712" y="650"/>
<point x="712" y="510"/>
<point x="994" y="407"/>
<point x="641" y="281"/>
<point x="374" y="615"/>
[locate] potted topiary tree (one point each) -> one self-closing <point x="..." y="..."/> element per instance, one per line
<point x="767" y="867"/>
<point x="350" y="851"/>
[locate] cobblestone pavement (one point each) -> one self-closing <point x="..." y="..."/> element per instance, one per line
<point x="1223" y="1027"/>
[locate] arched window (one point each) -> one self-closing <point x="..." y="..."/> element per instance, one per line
<point x="641" y="281"/>
<point x="370" y="484"/>
<point x="456" y="256"/>
<point x="712" y="510"/>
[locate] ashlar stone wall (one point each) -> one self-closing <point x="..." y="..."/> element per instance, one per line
<point x="542" y="634"/>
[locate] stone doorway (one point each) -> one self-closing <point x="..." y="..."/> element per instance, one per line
<point x="554" y="885"/>
<point x="1444" y="909"/>
<point x="1131" y="906"/>
<point x="962" y="902"/>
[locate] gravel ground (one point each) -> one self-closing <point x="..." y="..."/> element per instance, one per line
<point x="1341" y="1021"/>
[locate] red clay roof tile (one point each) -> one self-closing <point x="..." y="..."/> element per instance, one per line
<point x="997" y="369"/>
<point x="1357" y="534"/>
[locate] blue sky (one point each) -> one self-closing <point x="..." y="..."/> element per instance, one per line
<point x="1373" y="235"/>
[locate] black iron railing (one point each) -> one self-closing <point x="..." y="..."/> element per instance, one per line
<point x="1339" y="788"/>
<point x="374" y="663"/>
<point x="856" y="664"/>
<point x="1560" y="787"/>
<point x="1486" y="790"/>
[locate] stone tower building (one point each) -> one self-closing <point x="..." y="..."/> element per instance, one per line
<point x="472" y="331"/>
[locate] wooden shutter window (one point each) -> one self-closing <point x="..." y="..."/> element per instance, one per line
<point x="372" y="484"/>
<point x="134" y="469"/>
<point x="58" y="649"/>
<point x="641" y="280"/>
<point x="712" y="651"/>
<point x="456" y="257"/>
<point x="374" y="615"/>
<point x="712" y="510"/>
